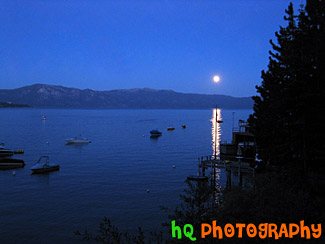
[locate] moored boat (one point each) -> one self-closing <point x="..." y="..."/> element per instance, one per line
<point x="77" y="140"/>
<point x="155" y="133"/>
<point x="5" y="152"/>
<point x="41" y="167"/>
<point x="170" y="128"/>
<point x="11" y="163"/>
<point x="19" y="151"/>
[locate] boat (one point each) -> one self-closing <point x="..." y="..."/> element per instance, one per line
<point x="41" y="167"/>
<point x="155" y="133"/>
<point x="183" y="126"/>
<point x="77" y="140"/>
<point x="19" y="151"/>
<point x="10" y="163"/>
<point x="171" y="128"/>
<point x="5" y="152"/>
<point x="44" y="117"/>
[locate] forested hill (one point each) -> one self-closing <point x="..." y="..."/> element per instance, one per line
<point x="40" y="95"/>
<point x="12" y="105"/>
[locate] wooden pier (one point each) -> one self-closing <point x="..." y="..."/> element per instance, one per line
<point x="237" y="164"/>
<point x="229" y="166"/>
<point x="212" y="162"/>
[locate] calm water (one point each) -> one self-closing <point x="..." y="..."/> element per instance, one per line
<point x="109" y="177"/>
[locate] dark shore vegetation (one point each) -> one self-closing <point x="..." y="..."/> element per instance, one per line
<point x="277" y="197"/>
<point x="12" y="105"/>
<point x="287" y="122"/>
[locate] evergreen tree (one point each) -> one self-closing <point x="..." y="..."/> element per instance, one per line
<point x="287" y="114"/>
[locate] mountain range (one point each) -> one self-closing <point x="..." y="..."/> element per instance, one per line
<point x="53" y="96"/>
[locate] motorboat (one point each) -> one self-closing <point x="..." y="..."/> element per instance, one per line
<point x="10" y="163"/>
<point x="77" y="140"/>
<point x="170" y="128"/>
<point x="5" y="152"/>
<point x="41" y="167"/>
<point x="155" y="133"/>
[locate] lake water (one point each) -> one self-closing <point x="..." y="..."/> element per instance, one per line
<point x="108" y="177"/>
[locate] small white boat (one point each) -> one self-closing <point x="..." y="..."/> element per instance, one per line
<point x="41" y="167"/>
<point x="77" y="140"/>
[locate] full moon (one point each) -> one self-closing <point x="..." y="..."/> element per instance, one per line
<point x="216" y="78"/>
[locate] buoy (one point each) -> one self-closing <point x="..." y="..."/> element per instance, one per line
<point x="174" y="166"/>
<point x="148" y="190"/>
<point x="14" y="173"/>
<point x="47" y="142"/>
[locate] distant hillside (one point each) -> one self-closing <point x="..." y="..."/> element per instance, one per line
<point x="12" y="105"/>
<point x="40" y="95"/>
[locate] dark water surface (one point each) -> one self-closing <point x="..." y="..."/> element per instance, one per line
<point x="109" y="177"/>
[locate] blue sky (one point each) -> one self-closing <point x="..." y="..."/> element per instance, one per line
<point x="104" y="45"/>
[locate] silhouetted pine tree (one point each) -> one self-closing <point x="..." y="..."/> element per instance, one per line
<point x="312" y="44"/>
<point x="287" y="114"/>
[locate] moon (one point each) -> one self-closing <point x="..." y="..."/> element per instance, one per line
<point x="216" y="78"/>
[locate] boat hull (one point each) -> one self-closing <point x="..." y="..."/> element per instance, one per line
<point x="45" y="170"/>
<point x="6" y="153"/>
<point x="155" y="133"/>
<point x="9" y="163"/>
<point x="77" y="142"/>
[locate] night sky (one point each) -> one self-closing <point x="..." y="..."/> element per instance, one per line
<point x="104" y="45"/>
